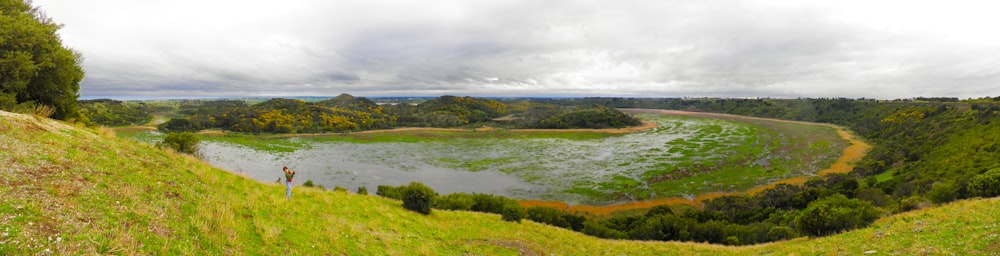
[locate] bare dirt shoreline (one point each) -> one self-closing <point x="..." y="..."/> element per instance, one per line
<point x="844" y="164"/>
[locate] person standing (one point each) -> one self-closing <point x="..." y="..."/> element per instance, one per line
<point x="289" y="174"/>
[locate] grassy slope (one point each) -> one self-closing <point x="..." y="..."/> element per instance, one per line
<point x="75" y="191"/>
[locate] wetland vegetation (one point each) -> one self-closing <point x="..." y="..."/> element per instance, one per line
<point x="682" y="156"/>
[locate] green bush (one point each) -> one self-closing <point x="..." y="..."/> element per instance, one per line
<point x="593" y="228"/>
<point x="362" y="190"/>
<point x="547" y="215"/>
<point x="575" y="221"/>
<point x="512" y="212"/>
<point x="184" y="142"/>
<point x="339" y="189"/>
<point x="835" y="213"/>
<point x="780" y="233"/>
<point x="659" y="210"/>
<point x="912" y="203"/>
<point x="732" y="240"/>
<point x="942" y="192"/>
<point x="417" y="197"/>
<point x="491" y="203"/>
<point x="389" y="192"/>
<point x="986" y="184"/>
<point x="455" y="201"/>
<point x="308" y="184"/>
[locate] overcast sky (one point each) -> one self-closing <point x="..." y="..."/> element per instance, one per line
<point x="664" y="48"/>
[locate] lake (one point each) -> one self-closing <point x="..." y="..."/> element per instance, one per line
<point x="569" y="170"/>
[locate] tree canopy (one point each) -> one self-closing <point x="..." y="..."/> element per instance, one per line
<point x="35" y="68"/>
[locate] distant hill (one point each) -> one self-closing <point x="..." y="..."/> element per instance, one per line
<point x="348" y="113"/>
<point x="73" y="190"/>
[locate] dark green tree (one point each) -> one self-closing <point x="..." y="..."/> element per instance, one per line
<point x="834" y="214"/>
<point x="512" y="212"/>
<point x="942" y="192"/>
<point x="417" y="197"/>
<point x="35" y="68"/>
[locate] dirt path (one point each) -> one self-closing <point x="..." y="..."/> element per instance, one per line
<point x="844" y="164"/>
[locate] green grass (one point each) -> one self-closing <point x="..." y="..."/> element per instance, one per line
<point x="69" y="190"/>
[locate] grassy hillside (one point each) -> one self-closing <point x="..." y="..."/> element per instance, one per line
<point x="69" y="190"/>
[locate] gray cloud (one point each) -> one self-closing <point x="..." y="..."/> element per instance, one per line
<point x="539" y="48"/>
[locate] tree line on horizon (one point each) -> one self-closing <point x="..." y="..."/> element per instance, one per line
<point x="346" y="113"/>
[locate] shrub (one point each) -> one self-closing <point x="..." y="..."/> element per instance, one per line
<point x="912" y="203"/>
<point x="575" y="221"/>
<point x="875" y="196"/>
<point x="339" y="189"/>
<point x="417" y="197"/>
<point x="942" y="192"/>
<point x="834" y="214"/>
<point x="778" y="197"/>
<point x="389" y="192"/>
<point x="780" y="233"/>
<point x="456" y="201"/>
<point x="662" y="227"/>
<point x="490" y="203"/>
<point x="593" y="228"/>
<point x="362" y="190"/>
<point x="512" y="212"/>
<point x="42" y="110"/>
<point x="986" y="184"/>
<point x="659" y="210"/>
<point x="732" y="240"/>
<point x="184" y="142"/>
<point x="547" y="215"/>
<point x="308" y="184"/>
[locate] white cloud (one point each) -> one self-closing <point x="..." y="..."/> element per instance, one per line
<point x="883" y="49"/>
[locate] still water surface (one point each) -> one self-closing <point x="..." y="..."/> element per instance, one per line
<point x="536" y="168"/>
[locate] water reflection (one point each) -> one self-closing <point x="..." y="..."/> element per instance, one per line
<point x="353" y="165"/>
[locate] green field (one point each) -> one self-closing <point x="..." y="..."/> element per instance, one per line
<point x="70" y="190"/>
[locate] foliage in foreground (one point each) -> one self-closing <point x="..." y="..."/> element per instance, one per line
<point x="35" y="68"/>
